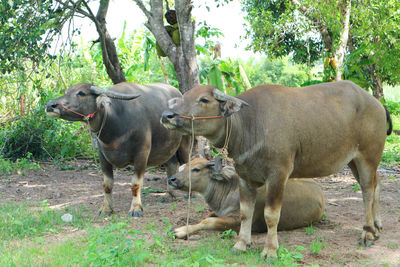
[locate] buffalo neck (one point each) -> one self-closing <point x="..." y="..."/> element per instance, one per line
<point x="97" y="121"/>
<point x="231" y="129"/>
<point x="218" y="191"/>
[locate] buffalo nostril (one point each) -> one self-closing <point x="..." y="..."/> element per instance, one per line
<point x="168" y="114"/>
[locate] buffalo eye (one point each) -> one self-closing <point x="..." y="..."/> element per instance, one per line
<point x="195" y="169"/>
<point x="204" y="100"/>
<point x="80" y="93"/>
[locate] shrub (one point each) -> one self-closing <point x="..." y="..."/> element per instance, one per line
<point x="43" y="138"/>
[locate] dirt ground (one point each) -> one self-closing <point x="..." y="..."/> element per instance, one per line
<point x="80" y="184"/>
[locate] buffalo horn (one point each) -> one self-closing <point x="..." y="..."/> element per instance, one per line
<point x="97" y="91"/>
<point x="223" y="97"/>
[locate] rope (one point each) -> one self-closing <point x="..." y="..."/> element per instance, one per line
<point x="198" y="118"/>
<point x="190" y="180"/>
<point x="86" y="117"/>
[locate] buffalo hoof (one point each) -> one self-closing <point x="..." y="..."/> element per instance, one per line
<point x="135" y="214"/>
<point x="102" y="213"/>
<point x="269" y="252"/>
<point x="240" y="245"/>
<point x="366" y="244"/>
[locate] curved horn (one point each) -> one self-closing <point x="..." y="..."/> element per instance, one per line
<point x="97" y="91"/>
<point x="210" y="164"/>
<point x="223" y="97"/>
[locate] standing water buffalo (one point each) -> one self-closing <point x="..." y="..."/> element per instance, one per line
<point x="127" y="132"/>
<point x="275" y="132"/>
<point x="303" y="200"/>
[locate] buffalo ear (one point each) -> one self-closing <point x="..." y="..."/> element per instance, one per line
<point x="228" y="104"/>
<point x="225" y="174"/>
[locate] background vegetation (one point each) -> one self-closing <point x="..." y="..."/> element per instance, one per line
<point x="31" y="75"/>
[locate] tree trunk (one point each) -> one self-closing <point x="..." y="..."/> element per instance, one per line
<point x="182" y="56"/>
<point x="377" y="87"/>
<point x="344" y="37"/>
<point x="108" y="49"/>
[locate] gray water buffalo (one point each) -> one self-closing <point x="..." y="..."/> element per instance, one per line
<point x="126" y="131"/>
<point x="275" y="132"/>
<point x="303" y="199"/>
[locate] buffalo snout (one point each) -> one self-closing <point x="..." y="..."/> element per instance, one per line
<point x="173" y="181"/>
<point x="170" y="119"/>
<point x="52" y="109"/>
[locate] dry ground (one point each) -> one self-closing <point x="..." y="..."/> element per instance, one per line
<point x="82" y="185"/>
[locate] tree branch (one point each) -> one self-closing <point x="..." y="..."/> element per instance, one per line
<point x="326" y="37"/>
<point x="143" y="8"/>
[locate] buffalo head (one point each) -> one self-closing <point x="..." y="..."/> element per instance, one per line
<point x="79" y="101"/>
<point x="202" y="173"/>
<point x="206" y="105"/>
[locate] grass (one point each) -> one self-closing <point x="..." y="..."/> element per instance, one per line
<point x="27" y="239"/>
<point x="19" y="221"/>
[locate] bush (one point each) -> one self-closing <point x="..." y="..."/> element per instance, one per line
<point x="43" y="138"/>
<point x="393" y="107"/>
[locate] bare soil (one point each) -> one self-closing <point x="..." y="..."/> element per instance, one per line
<point x="339" y="232"/>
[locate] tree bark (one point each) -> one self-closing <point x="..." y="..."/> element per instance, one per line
<point x="109" y="51"/>
<point x="344" y="37"/>
<point x="326" y="35"/>
<point x="182" y="56"/>
<point x="377" y="83"/>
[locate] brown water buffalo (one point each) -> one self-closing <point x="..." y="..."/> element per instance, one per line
<point x="303" y="199"/>
<point x="275" y="132"/>
<point x="126" y="131"/>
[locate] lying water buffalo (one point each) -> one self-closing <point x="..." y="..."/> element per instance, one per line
<point x="303" y="199"/>
<point x="127" y="132"/>
<point x="275" y="132"/>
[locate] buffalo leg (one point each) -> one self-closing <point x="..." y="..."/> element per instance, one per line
<point x="370" y="191"/>
<point x="247" y="204"/>
<point x="108" y="184"/>
<point x="210" y="223"/>
<point x="275" y="187"/>
<point x="376" y="208"/>
<point x="136" y="209"/>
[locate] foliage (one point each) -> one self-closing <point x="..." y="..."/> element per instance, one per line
<point x="375" y="38"/>
<point x="393" y="107"/>
<point x="391" y="153"/>
<point x="274" y="71"/>
<point x="227" y="75"/>
<point x="27" y="30"/>
<point x="20" y="166"/>
<point x="42" y="137"/>
<point x="276" y="29"/>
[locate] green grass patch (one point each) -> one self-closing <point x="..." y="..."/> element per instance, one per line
<point x="20" y="166"/>
<point x="117" y="244"/>
<point x="19" y="221"/>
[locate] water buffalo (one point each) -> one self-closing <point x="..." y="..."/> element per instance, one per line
<point x="126" y="132"/>
<point x="303" y="199"/>
<point x="274" y="132"/>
